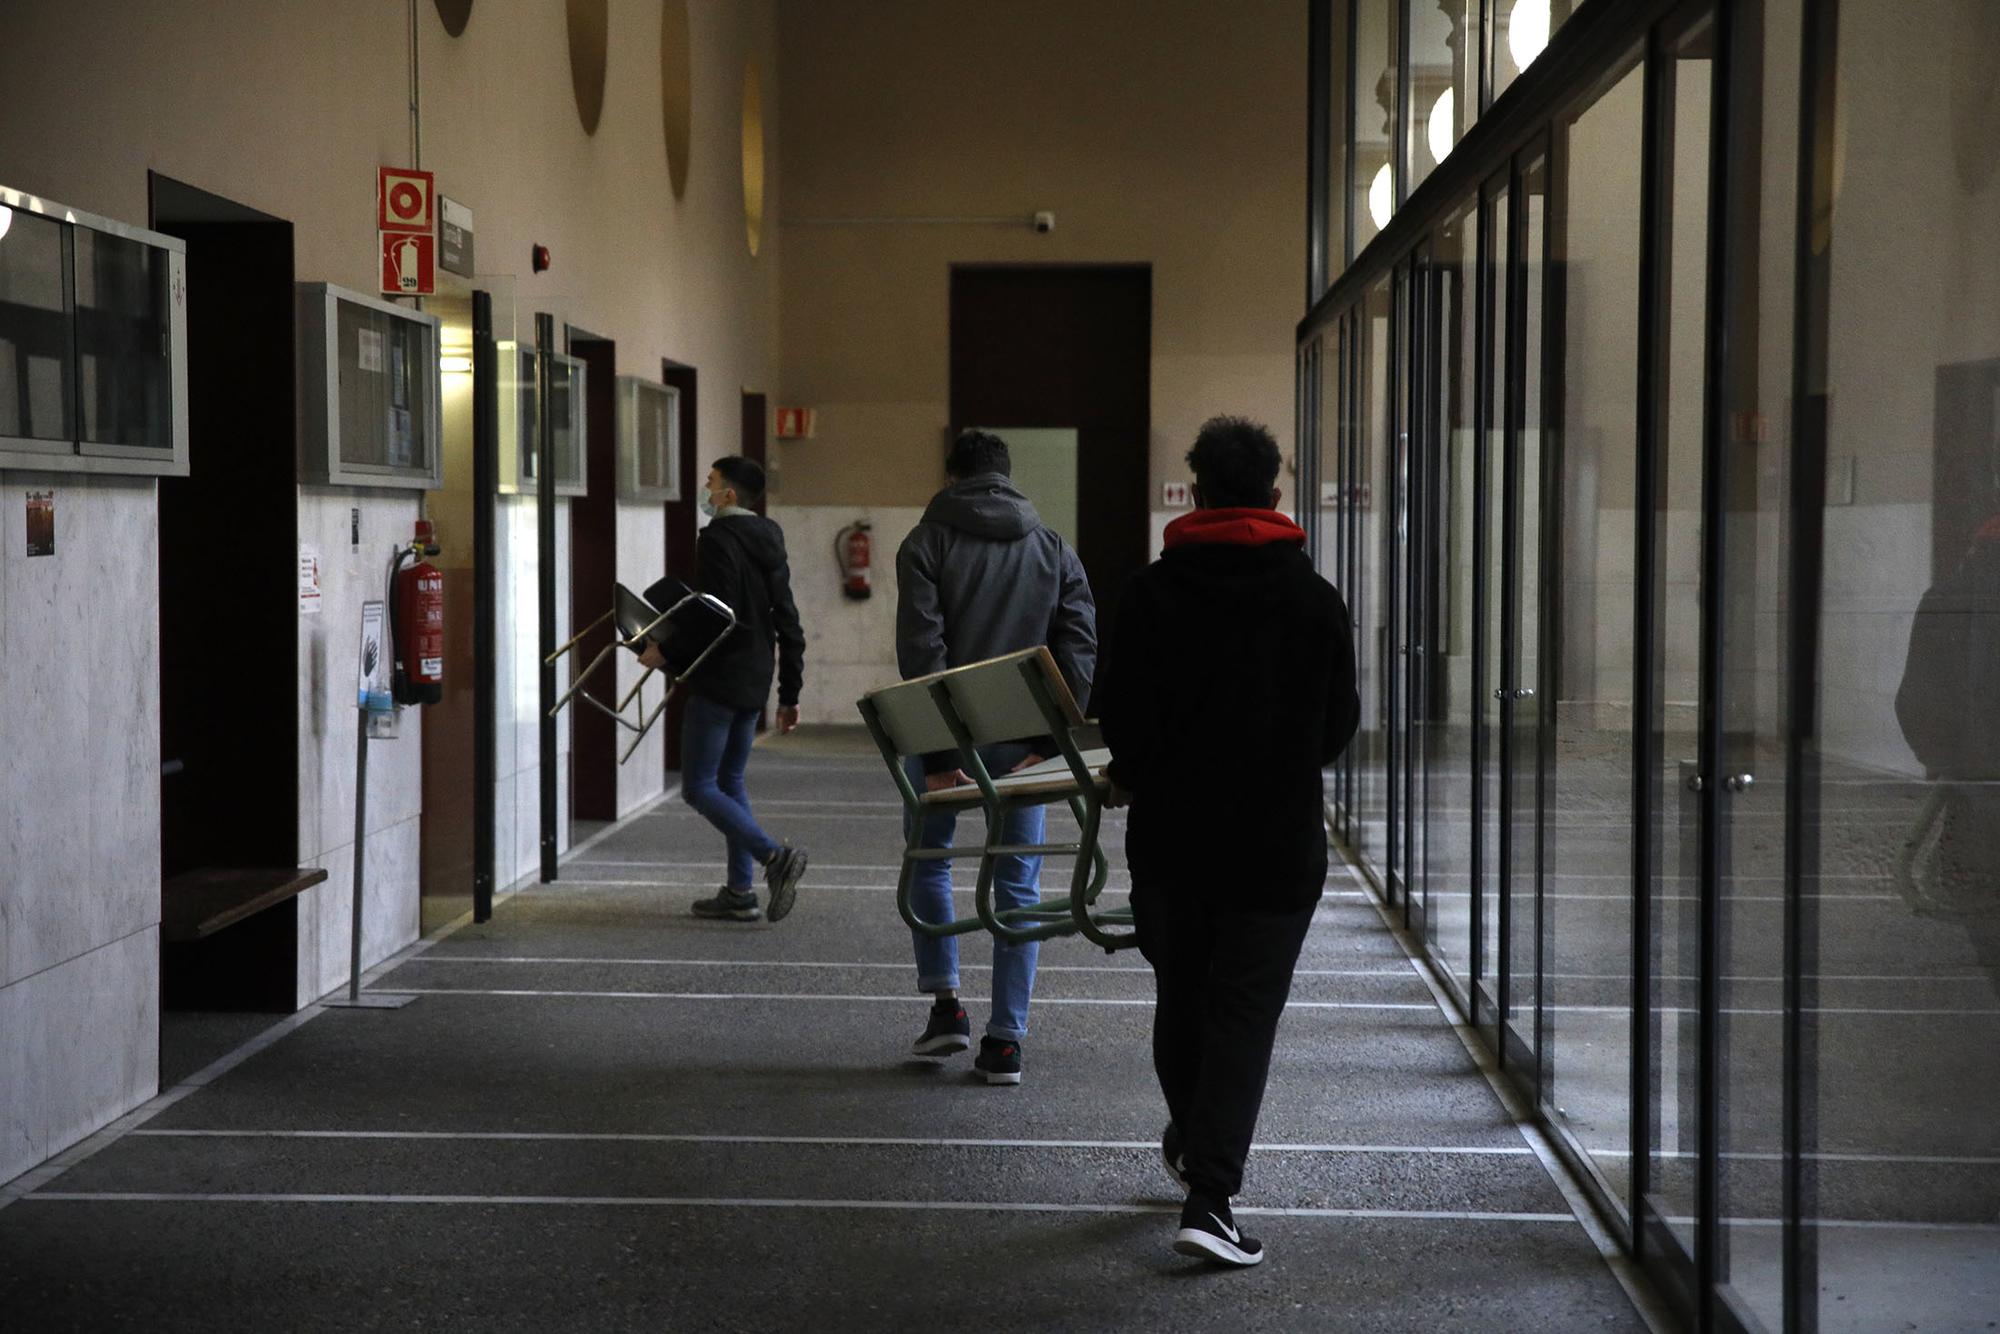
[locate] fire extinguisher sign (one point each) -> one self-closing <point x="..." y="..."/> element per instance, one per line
<point x="409" y="264"/>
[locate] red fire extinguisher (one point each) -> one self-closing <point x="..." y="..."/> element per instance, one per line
<point x="416" y="621"/>
<point x="851" y="550"/>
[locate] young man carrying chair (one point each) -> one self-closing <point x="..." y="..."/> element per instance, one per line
<point x="1230" y="689"/>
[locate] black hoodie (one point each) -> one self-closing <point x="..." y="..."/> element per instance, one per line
<point x="1229" y="691"/>
<point x="980" y="576"/>
<point x="740" y="558"/>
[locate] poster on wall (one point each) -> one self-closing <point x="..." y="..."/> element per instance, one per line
<point x="309" y="569"/>
<point x="41" y="523"/>
<point x="373" y="694"/>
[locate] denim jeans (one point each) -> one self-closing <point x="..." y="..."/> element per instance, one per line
<point x="1016" y="884"/>
<point x="715" y="748"/>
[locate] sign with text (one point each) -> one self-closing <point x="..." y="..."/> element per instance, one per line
<point x="409" y="263"/>
<point x="796" y="423"/>
<point x="454" y="237"/>
<point x="404" y="200"/>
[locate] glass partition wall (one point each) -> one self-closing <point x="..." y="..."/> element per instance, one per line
<point x="1650" y="405"/>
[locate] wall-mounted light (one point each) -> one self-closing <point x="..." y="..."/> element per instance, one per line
<point x="6" y="220"/>
<point x="1443" y="124"/>
<point x="455" y="365"/>
<point x="1381" y="197"/>
<point x="1527" y="31"/>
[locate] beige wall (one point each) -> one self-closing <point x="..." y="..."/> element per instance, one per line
<point x="1170" y="132"/>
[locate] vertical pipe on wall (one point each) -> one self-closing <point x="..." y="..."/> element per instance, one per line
<point x="485" y="638"/>
<point x="545" y="577"/>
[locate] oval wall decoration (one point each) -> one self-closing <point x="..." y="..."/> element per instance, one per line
<point x="676" y="89"/>
<point x="589" y="26"/>
<point x="753" y="153"/>
<point x="454" y="15"/>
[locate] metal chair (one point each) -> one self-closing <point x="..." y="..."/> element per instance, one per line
<point x="688" y="631"/>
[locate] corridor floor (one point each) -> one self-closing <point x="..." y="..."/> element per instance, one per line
<point x="604" y="1114"/>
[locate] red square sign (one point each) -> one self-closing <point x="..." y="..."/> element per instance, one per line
<point x="404" y="200"/>
<point x="409" y="263"/>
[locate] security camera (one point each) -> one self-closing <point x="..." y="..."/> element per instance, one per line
<point x="1045" y="223"/>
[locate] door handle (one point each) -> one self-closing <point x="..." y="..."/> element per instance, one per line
<point x="1527" y="692"/>
<point x="1501" y="693"/>
<point x="1739" y="782"/>
<point x="1695" y="783"/>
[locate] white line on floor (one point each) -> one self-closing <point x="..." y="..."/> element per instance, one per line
<point x="850" y="999"/>
<point x="883" y="1141"/>
<point x="723" y="1202"/>
<point x="1051" y="886"/>
<point x="1140" y="970"/>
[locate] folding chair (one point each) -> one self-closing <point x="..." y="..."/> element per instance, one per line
<point x="687" y="632"/>
<point x="1019" y="697"/>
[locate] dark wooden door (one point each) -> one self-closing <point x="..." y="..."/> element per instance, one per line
<point x="594" y="741"/>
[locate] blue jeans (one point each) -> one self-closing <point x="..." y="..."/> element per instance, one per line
<point x="715" y="748"/>
<point x="1016" y="884"/>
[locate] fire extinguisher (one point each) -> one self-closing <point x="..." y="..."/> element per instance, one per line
<point x="851" y="550"/>
<point x="416" y="621"/>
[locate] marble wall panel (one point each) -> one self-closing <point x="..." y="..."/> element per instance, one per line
<point x="81" y="1048"/>
<point x="79" y="721"/>
<point x="390" y="912"/>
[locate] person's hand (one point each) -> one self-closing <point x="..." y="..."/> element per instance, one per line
<point x="1117" y="798"/>
<point x="788" y="720"/>
<point x="1028" y="763"/>
<point x="651" y="656"/>
<point x="948" y="779"/>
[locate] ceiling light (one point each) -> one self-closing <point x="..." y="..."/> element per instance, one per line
<point x="1528" y="31"/>
<point x="455" y="365"/>
<point x="1381" y="200"/>
<point x="1444" y="114"/>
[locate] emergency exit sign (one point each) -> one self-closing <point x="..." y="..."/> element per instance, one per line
<point x="796" y="423"/>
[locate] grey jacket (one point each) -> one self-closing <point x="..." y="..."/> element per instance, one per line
<point x="980" y="576"/>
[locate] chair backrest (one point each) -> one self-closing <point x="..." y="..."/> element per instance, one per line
<point x="997" y="704"/>
<point x="992" y="698"/>
<point x="910" y="717"/>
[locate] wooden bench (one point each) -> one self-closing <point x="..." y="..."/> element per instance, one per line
<point x="1019" y="697"/>
<point x="196" y="904"/>
<point x="229" y="938"/>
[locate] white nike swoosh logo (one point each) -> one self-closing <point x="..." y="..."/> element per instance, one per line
<point x="1227" y="1230"/>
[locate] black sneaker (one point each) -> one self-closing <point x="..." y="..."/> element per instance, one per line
<point x="781" y="877"/>
<point x="730" y="905"/>
<point x="999" y="1060"/>
<point x="946" y="1033"/>
<point x="1171" y="1155"/>
<point x="1208" y="1232"/>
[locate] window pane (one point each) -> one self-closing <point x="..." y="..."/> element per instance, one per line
<point x="1375" y="75"/>
<point x="1903" y="989"/>
<point x="1588" y="882"/>
<point x="1340" y="84"/>
<point x="1449" y="922"/>
<point x="1371" y="584"/>
<point x="123" y="341"/>
<point x="36" y="351"/>
<point x="1444" y="83"/>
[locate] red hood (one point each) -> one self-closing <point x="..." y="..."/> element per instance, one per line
<point x="1233" y="527"/>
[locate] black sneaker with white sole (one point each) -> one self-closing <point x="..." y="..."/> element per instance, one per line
<point x="999" y="1061"/>
<point x="730" y="905"/>
<point x="1171" y="1156"/>
<point x="781" y="877"/>
<point x="947" y="1032"/>
<point x="1208" y="1232"/>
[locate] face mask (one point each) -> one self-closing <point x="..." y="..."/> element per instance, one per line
<point x="707" y="503"/>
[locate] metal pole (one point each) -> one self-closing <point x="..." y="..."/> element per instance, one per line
<point x="545" y="576"/>
<point x="360" y="847"/>
<point x="485" y="636"/>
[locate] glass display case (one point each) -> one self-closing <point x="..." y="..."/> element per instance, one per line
<point x="649" y="440"/>
<point x="368" y="391"/>
<point x="93" y="342"/>
<point x="520" y="421"/>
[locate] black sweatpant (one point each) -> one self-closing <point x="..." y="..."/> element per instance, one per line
<point x="1221" y="977"/>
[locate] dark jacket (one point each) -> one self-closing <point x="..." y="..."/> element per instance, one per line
<point x="980" y="576"/>
<point x="1229" y="691"/>
<point x="740" y="558"/>
<point x="1952" y="673"/>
